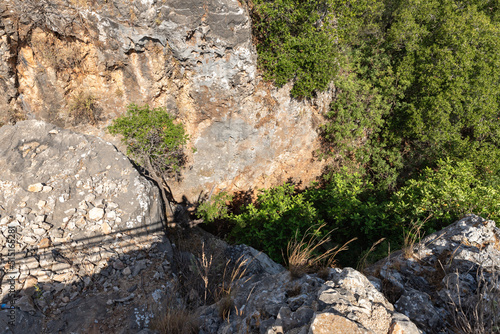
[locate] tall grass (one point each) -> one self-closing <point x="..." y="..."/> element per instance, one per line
<point x="304" y="256"/>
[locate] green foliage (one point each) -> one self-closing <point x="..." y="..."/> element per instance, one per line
<point x="215" y="208"/>
<point x="274" y="219"/>
<point x="447" y="52"/>
<point x="349" y="203"/>
<point x="296" y="41"/>
<point x="414" y="124"/>
<point x="351" y="206"/>
<point x="418" y="86"/>
<point x="152" y="137"/>
<point x="301" y="40"/>
<point x="447" y="194"/>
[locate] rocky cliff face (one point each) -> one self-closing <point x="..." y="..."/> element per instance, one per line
<point x="80" y="61"/>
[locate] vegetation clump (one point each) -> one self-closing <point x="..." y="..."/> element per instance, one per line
<point x="155" y="141"/>
<point x="83" y="108"/>
<point x="153" y="138"/>
<point x="215" y="208"/>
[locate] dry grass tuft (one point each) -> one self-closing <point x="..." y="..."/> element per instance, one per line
<point x="362" y="262"/>
<point x="412" y="237"/>
<point x="302" y="254"/>
<point x="176" y="321"/>
<point x="225" y="291"/>
<point x="480" y="312"/>
<point x="203" y="266"/>
<point x="83" y="109"/>
<point x="238" y="270"/>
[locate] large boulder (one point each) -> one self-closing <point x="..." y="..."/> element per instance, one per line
<point x="68" y="203"/>
<point x="450" y="280"/>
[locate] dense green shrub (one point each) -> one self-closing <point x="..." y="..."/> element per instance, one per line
<point x="153" y="138"/>
<point x="302" y="40"/>
<point x="350" y="206"/>
<point x="347" y="205"/>
<point x="447" y="52"/>
<point x="296" y="41"/>
<point x="274" y="219"/>
<point x="418" y="87"/>
<point x="446" y="194"/>
<point x="214" y="208"/>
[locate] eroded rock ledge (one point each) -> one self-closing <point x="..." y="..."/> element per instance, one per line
<point x="458" y="265"/>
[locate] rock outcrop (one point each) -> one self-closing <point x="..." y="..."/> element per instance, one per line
<point x="342" y="302"/>
<point x="69" y="204"/>
<point x="80" y="61"/>
<point x="450" y="280"/>
<point x="448" y="283"/>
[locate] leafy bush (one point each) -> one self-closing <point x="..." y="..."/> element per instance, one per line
<point x="215" y="208"/>
<point x="416" y="87"/>
<point x="153" y="138"/>
<point x="351" y="206"/>
<point x="446" y="54"/>
<point x="274" y="219"/>
<point x="296" y="41"/>
<point x="302" y="40"/>
<point x="347" y="205"/>
<point x="446" y="194"/>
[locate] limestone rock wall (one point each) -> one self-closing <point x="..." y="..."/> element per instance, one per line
<point x="194" y="57"/>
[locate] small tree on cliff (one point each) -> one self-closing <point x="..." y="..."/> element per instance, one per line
<point x="154" y="140"/>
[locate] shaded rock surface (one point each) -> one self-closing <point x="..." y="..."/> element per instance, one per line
<point x="195" y="58"/>
<point x="446" y="275"/>
<point x="72" y="209"/>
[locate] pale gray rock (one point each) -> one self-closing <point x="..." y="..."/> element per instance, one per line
<point x="256" y="262"/>
<point x="418" y="306"/>
<point x="446" y="267"/>
<point x="55" y="240"/>
<point x="279" y="304"/>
